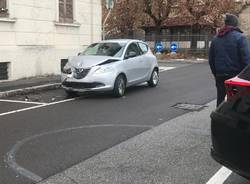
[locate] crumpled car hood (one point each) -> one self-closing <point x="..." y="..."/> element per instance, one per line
<point x="88" y="61"/>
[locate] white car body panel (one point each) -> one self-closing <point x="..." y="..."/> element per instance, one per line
<point x="137" y="70"/>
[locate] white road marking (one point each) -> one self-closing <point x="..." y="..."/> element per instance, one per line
<point x="10" y="158"/>
<point x="40" y="105"/>
<point x="220" y="177"/>
<point x="164" y="68"/>
<point x="24" y="102"/>
<point x="35" y="107"/>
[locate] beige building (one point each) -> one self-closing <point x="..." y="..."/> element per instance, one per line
<point x="245" y="20"/>
<point x="36" y="34"/>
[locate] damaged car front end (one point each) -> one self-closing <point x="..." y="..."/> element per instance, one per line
<point x="110" y="65"/>
<point x="80" y="76"/>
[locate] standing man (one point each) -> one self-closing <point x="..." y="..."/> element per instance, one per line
<point x="228" y="55"/>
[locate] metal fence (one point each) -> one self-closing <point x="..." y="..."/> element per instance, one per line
<point x="187" y="44"/>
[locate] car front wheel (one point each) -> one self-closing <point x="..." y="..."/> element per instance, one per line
<point x="120" y="86"/>
<point x="154" y="79"/>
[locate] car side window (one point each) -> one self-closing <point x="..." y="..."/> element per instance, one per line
<point x="143" y="47"/>
<point x="132" y="48"/>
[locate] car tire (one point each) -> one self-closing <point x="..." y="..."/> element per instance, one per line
<point x="119" y="86"/>
<point x="154" y="79"/>
<point x="71" y="93"/>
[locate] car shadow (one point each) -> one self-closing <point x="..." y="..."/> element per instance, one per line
<point x="108" y="95"/>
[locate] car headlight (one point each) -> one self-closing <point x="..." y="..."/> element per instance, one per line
<point x="103" y="69"/>
<point x="67" y="69"/>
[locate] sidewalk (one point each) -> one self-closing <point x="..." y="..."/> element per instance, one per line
<point x="148" y="157"/>
<point x="23" y="86"/>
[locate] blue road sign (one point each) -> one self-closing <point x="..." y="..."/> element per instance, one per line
<point x="158" y="47"/>
<point x="173" y="47"/>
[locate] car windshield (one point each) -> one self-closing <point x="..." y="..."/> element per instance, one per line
<point x="105" y="49"/>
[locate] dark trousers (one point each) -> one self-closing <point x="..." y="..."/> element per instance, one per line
<point x="220" y="85"/>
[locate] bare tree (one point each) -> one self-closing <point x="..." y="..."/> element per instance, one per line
<point x="217" y="9"/>
<point x="197" y="9"/>
<point x="123" y="19"/>
<point x="158" y="11"/>
<point x="206" y="14"/>
<point x="130" y="15"/>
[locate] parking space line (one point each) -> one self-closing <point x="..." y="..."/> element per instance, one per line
<point x="35" y="107"/>
<point x="220" y="177"/>
<point x="24" y="102"/>
<point x="40" y="105"/>
<point x="163" y="68"/>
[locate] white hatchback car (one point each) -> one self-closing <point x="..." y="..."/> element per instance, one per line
<point x="110" y="65"/>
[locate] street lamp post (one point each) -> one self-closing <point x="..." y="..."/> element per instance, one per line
<point x="109" y="6"/>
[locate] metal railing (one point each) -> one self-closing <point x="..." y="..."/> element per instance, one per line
<point x="185" y="43"/>
<point x="189" y="44"/>
<point x="193" y="44"/>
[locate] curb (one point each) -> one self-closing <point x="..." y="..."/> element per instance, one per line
<point x="27" y="90"/>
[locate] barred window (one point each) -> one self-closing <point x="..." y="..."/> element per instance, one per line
<point x="66" y="11"/>
<point x="3" y="8"/>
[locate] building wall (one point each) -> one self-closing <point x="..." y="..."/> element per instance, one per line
<point x="33" y="41"/>
<point x="245" y="20"/>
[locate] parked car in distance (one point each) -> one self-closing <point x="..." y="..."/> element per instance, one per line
<point x="230" y="126"/>
<point x="110" y="65"/>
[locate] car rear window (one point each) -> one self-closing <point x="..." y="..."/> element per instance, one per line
<point x="245" y="74"/>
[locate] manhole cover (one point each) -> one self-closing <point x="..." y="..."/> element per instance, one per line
<point x="190" y="107"/>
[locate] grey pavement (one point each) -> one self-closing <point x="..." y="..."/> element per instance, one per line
<point x="33" y="84"/>
<point x="153" y="157"/>
<point x="28" y="85"/>
<point x="183" y="61"/>
<point x="42" y="80"/>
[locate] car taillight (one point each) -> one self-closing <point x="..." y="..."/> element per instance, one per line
<point x="235" y="91"/>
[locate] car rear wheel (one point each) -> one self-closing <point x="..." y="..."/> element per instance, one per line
<point x="120" y="86"/>
<point x="154" y="79"/>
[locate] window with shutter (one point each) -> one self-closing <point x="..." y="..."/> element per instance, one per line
<point x="3" y="8"/>
<point x="66" y="11"/>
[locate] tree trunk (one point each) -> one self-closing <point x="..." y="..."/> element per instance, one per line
<point x="158" y="36"/>
<point x="195" y="36"/>
<point x="131" y="34"/>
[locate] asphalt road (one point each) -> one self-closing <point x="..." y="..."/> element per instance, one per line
<point x="50" y="137"/>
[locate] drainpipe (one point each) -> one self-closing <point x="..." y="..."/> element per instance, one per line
<point x="103" y="25"/>
<point x="91" y="21"/>
<point x="109" y="6"/>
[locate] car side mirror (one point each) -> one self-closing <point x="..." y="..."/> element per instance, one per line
<point x="131" y="54"/>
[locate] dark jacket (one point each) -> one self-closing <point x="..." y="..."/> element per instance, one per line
<point x="229" y="52"/>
